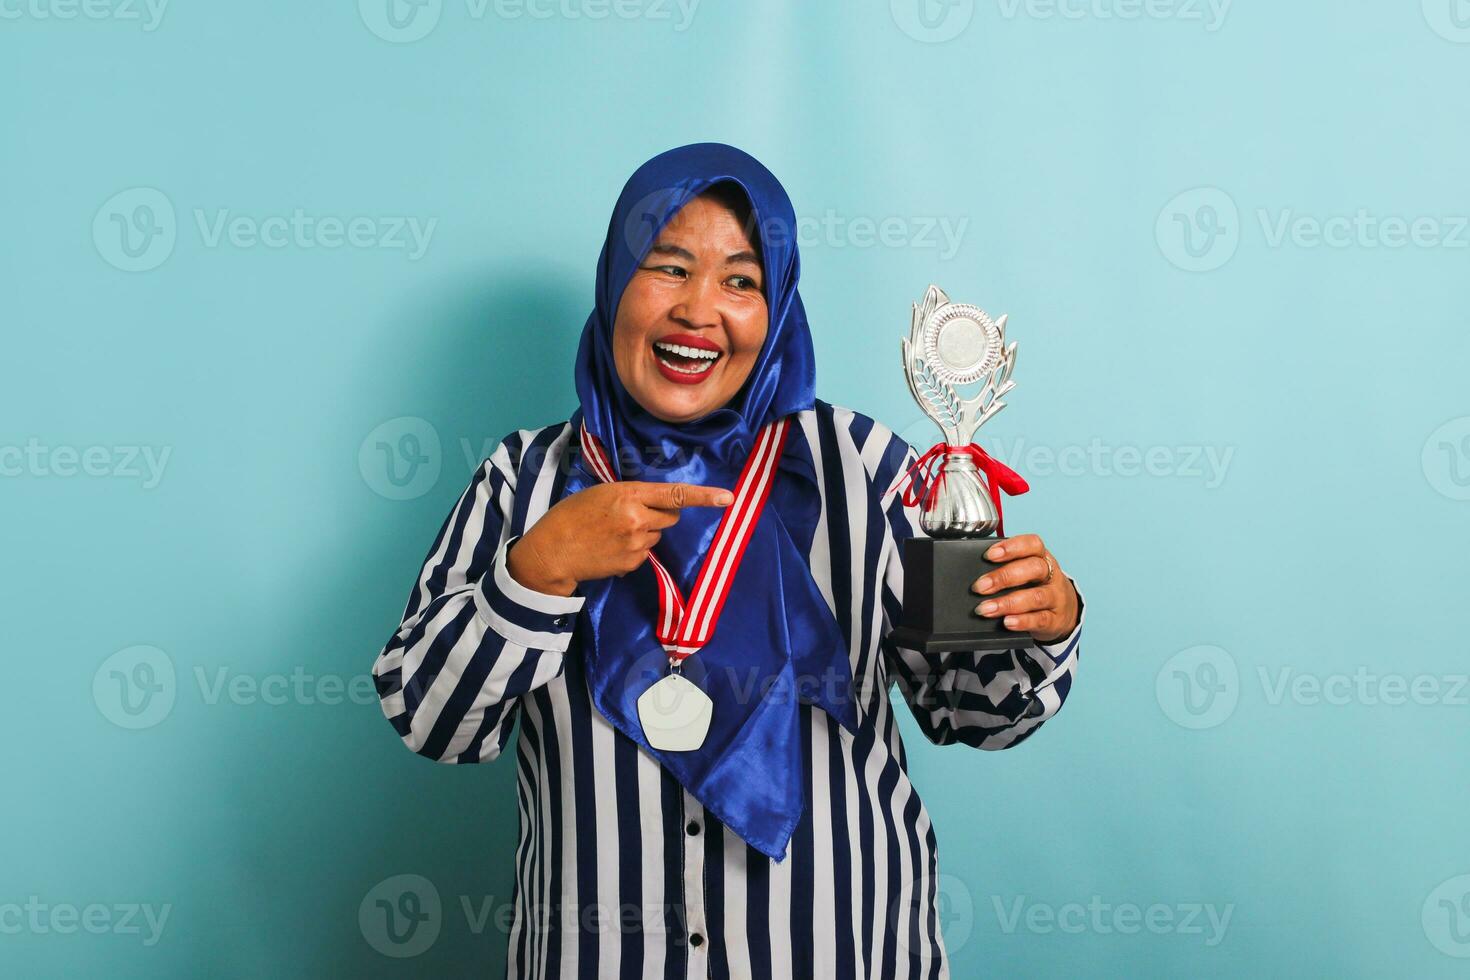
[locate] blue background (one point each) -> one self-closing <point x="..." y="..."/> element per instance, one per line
<point x="1115" y="183"/>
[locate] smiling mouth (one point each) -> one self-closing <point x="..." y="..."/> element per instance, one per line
<point x="688" y="364"/>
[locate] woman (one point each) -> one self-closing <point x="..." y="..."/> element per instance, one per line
<point x="703" y="517"/>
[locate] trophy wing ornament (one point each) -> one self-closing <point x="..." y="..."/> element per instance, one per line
<point x="935" y="397"/>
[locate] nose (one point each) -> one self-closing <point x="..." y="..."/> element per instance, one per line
<point x="697" y="305"/>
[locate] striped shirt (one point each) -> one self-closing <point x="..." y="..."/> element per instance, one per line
<point x="620" y="872"/>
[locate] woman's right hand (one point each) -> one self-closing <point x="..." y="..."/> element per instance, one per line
<point x="601" y="531"/>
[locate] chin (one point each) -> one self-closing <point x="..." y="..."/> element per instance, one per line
<point x="677" y="407"/>
<point x="680" y="413"/>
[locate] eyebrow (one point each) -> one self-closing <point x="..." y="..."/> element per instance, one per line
<point x="664" y="248"/>
<point x="673" y="250"/>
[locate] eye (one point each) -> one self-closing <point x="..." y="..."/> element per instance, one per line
<point x="673" y="270"/>
<point x="744" y="282"/>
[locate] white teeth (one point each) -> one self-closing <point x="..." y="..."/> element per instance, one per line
<point x="698" y="352"/>
<point x="701" y="369"/>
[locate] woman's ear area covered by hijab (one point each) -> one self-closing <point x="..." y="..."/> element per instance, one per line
<point x="693" y="317"/>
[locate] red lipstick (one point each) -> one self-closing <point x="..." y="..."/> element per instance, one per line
<point x="685" y="368"/>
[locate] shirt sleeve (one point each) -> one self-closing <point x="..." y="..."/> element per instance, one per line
<point x="986" y="699"/>
<point x="472" y="639"/>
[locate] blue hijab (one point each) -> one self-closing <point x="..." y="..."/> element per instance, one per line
<point x="777" y="645"/>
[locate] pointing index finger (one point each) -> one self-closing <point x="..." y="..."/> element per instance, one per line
<point x="672" y="496"/>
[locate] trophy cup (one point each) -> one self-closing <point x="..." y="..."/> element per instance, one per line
<point x="956" y="484"/>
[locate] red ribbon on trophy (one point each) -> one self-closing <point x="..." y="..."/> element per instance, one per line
<point x="923" y="485"/>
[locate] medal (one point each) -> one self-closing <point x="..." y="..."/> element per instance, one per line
<point x="674" y="712"/>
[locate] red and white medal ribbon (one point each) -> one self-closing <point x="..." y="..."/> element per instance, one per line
<point x="674" y="712"/>
<point x="684" y="626"/>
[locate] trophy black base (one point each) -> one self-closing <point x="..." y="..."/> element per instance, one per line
<point x="938" y="605"/>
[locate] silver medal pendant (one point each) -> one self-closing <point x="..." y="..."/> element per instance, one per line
<point x="675" y="713"/>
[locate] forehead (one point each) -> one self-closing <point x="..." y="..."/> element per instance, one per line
<point x="708" y="222"/>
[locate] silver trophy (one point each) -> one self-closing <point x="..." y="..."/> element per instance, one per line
<point x="951" y="345"/>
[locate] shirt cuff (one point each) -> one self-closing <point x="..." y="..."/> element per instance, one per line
<point x="523" y="616"/>
<point x="1056" y="658"/>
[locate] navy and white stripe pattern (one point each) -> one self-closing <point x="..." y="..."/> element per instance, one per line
<point x="619" y="871"/>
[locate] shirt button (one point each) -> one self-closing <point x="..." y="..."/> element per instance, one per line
<point x="695" y="939"/>
<point x="693" y="827"/>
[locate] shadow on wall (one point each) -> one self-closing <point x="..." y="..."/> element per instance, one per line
<point x="327" y="803"/>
